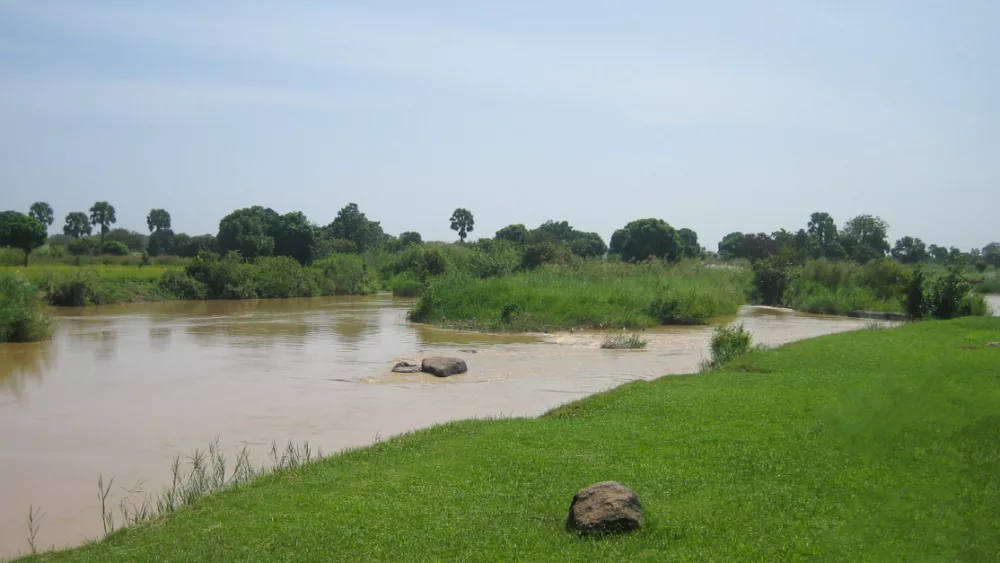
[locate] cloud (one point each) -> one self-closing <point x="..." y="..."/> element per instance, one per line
<point x="646" y="85"/>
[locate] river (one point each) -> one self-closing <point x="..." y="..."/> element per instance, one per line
<point x="121" y="390"/>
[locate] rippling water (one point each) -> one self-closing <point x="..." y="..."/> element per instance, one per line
<point x="121" y="390"/>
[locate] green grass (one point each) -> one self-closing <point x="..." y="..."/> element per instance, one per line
<point x="115" y="272"/>
<point x="872" y="445"/>
<point x="591" y="294"/>
<point x="622" y="341"/>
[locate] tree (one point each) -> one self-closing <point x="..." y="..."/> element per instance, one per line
<point x="351" y="224"/>
<point x="513" y="233"/>
<point x="938" y="253"/>
<point x="991" y="254"/>
<point x="823" y="236"/>
<point x="689" y="240"/>
<point x="161" y="242"/>
<point x="134" y="240"/>
<point x="651" y="238"/>
<point x="42" y="212"/>
<point x="17" y="230"/>
<point x="617" y="243"/>
<point x="187" y="246"/>
<point x="158" y="219"/>
<point x="103" y="214"/>
<point x="730" y="245"/>
<point x="757" y="246"/>
<point x="588" y="245"/>
<point x="868" y="238"/>
<point x="462" y="221"/>
<point x="294" y="236"/>
<point x="410" y="237"/>
<point x="77" y="225"/>
<point x="909" y="250"/>
<point x="248" y="231"/>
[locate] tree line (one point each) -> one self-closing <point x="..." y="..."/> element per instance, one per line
<point x="257" y="231"/>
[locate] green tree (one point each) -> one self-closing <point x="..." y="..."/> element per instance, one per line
<point x="77" y="225"/>
<point x="909" y="250"/>
<point x="410" y="237"/>
<point x="689" y="240"/>
<point x="517" y="234"/>
<point x="42" y="212"/>
<point x="248" y="231"/>
<point x="730" y="245"/>
<point x="294" y="236"/>
<point x="463" y="222"/>
<point x="103" y="214"/>
<point x="651" y="238"/>
<point x="161" y="242"/>
<point x="617" y="244"/>
<point x="158" y="219"/>
<point x="991" y="254"/>
<point x="17" y="230"/>
<point x="865" y="238"/>
<point x="134" y="240"/>
<point x="824" y="242"/>
<point x="938" y="253"/>
<point x="351" y="224"/>
<point x="588" y="245"/>
<point x="757" y="246"/>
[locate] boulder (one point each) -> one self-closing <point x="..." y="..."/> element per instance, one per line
<point x="406" y="367"/>
<point x="443" y="367"/>
<point x="605" y="508"/>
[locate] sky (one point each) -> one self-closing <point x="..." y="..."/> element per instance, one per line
<point x="717" y="116"/>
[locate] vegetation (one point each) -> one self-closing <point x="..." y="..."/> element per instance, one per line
<point x="462" y="222"/>
<point x="846" y="447"/>
<point x="728" y="343"/>
<point x="623" y="341"/>
<point x="102" y="214"/>
<point x="20" y="231"/>
<point x="589" y="293"/>
<point x="21" y="319"/>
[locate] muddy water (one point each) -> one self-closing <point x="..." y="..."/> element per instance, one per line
<point x="120" y="391"/>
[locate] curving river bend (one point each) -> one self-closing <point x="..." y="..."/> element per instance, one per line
<point x="121" y="390"/>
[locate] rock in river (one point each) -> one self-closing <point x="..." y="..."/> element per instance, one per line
<point x="443" y="367"/>
<point x="406" y="367"/>
<point x="605" y="508"/>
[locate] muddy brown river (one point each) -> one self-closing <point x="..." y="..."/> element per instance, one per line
<point x="121" y="390"/>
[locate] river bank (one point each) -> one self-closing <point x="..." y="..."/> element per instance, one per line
<point x="120" y="390"/>
<point x="838" y="447"/>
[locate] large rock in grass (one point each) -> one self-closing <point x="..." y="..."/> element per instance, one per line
<point x="443" y="367"/>
<point x="605" y="508"/>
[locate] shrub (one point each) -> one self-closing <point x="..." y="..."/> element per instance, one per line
<point x="980" y="266"/>
<point x="914" y="302"/>
<point x="281" y="277"/>
<point x="405" y="286"/>
<point x="729" y="342"/>
<point x="86" y="246"/>
<point x="20" y="317"/>
<point x="947" y="295"/>
<point x="182" y="286"/>
<point x="75" y="289"/>
<point x="343" y="274"/>
<point x="621" y="341"/>
<point x="771" y="279"/>
<point x="547" y="252"/>
<point x="115" y="248"/>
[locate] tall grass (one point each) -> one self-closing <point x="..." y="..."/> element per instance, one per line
<point x="837" y="288"/>
<point x="21" y="319"/>
<point x="622" y="341"/>
<point x="589" y="294"/>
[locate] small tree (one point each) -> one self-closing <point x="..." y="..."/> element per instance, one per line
<point x="158" y="219"/>
<point x="462" y="221"/>
<point x="17" y="230"/>
<point x="980" y="265"/>
<point x="103" y="214"/>
<point x="410" y="237"/>
<point x="77" y="225"/>
<point x="42" y="212"/>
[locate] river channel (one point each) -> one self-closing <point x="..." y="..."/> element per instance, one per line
<point x="120" y="390"/>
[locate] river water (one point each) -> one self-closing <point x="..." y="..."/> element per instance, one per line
<point x="121" y="390"/>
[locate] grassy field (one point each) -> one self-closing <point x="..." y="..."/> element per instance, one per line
<point x="114" y="272"/>
<point x="592" y="294"/>
<point x="876" y="445"/>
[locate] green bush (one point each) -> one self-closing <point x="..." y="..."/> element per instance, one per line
<point x="728" y="343"/>
<point x="948" y="295"/>
<point x="405" y="286"/>
<point x="546" y="252"/>
<point x="21" y="319"/>
<point x="180" y="285"/>
<point x="771" y="278"/>
<point x="115" y="248"/>
<point x="282" y="276"/>
<point x="345" y="274"/>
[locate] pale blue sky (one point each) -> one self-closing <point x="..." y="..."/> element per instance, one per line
<point x="716" y="115"/>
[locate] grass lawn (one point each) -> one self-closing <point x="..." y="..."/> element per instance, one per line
<point x="111" y="272"/>
<point x="874" y="445"/>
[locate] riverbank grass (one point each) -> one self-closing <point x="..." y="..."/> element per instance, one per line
<point x="875" y="445"/>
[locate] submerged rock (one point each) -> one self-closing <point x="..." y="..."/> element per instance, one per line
<point x="993" y="344"/>
<point x="406" y="367"/>
<point x="443" y="367"/>
<point x="605" y="508"/>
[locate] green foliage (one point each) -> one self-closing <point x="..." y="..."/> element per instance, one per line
<point x="588" y="245"/>
<point x="410" y="237"/>
<point x="161" y="242"/>
<point x="180" y="285"/>
<point x="77" y="225"/>
<point x="17" y="230"/>
<point x="546" y="252"/>
<point x="462" y="222"/>
<point x="909" y="250"/>
<point x="516" y="234"/>
<point x="135" y="241"/>
<point x="837" y="288"/>
<point x="102" y="214"/>
<point x="649" y="238"/>
<point x="351" y="224"/>
<point x="21" y="319"/>
<point x="158" y="220"/>
<point x="622" y="341"/>
<point x="823" y="238"/>
<point x="188" y="247"/>
<point x="295" y="237"/>
<point x="865" y="238"/>
<point x="78" y="287"/>
<point x="689" y="242"/>
<point x="585" y="294"/>
<point x="86" y="246"/>
<point x="42" y="212"/>
<point x="946" y="298"/>
<point x="728" y="343"/>
<point x="345" y="274"/>
<point x="729" y="247"/>
<point x="771" y="279"/>
<point x="248" y="231"/>
<point x="405" y="286"/>
<point x="980" y="266"/>
<point x="115" y="248"/>
<point x="991" y="254"/>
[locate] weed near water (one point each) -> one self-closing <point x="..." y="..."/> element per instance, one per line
<point x="21" y="318"/>
<point x="622" y="341"/>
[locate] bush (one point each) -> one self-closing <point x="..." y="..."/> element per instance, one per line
<point x="21" y="319"/>
<point x="980" y="266"/>
<point x="345" y="274"/>
<point x="914" y="302"/>
<point x="728" y="343"/>
<point x="405" y="286"/>
<point x="621" y="341"/>
<point x="281" y="277"/>
<point x="547" y="252"/>
<point x="115" y="248"/>
<point x="86" y="246"/>
<point x="179" y="284"/>
<point x="771" y="279"/>
<point x="947" y="296"/>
